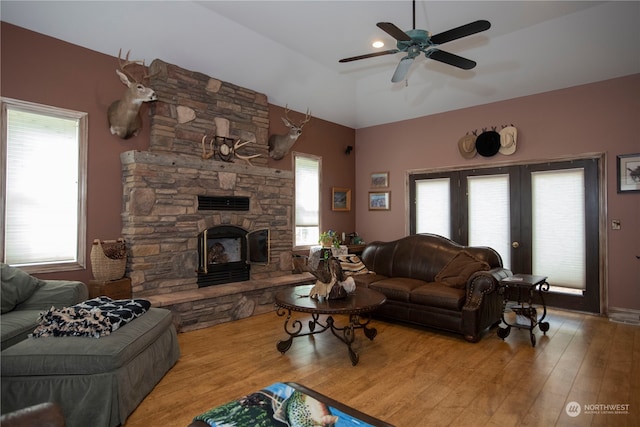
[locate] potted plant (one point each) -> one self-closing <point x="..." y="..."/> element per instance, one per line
<point x="329" y="238"/>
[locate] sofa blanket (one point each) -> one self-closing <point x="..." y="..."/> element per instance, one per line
<point x="92" y="318"/>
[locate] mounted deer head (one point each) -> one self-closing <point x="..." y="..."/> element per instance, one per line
<point x="124" y="114"/>
<point x="279" y="145"/>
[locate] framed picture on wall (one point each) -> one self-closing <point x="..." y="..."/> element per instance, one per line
<point x="380" y="180"/>
<point x="340" y="199"/>
<point x="628" y="173"/>
<point x="379" y="200"/>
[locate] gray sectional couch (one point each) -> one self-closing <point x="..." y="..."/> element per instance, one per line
<point x="97" y="382"/>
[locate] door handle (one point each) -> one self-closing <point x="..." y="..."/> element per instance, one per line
<point x="515" y="245"/>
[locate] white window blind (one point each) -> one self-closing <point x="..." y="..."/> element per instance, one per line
<point x="44" y="175"/>
<point x="433" y="206"/>
<point x="489" y="217"/>
<point x="559" y="227"/>
<point x="307" y="200"/>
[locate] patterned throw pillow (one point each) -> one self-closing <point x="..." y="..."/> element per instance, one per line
<point x="352" y="265"/>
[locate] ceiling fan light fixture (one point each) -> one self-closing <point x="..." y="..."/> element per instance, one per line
<point x="378" y="44"/>
<point x="416" y="41"/>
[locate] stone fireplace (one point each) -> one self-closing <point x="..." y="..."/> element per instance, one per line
<point x="163" y="189"/>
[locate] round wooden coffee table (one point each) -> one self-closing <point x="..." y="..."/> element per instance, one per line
<point x="357" y="305"/>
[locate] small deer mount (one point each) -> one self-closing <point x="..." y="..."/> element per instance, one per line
<point x="279" y="145"/>
<point x="124" y="114"/>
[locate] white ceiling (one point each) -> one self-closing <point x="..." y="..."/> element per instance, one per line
<point x="289" y="50"/>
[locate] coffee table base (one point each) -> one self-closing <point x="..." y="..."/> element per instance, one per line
<point x="346" y="334"/>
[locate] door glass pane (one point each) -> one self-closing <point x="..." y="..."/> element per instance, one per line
<point x="433" y="206"/>
<point x="558" y="223"/>
<point x="489" y="214"/>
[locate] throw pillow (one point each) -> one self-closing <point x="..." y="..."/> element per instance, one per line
<point x="352" y="265"/>
<point x="458" y="270"/>
<point x="16" y="287"/>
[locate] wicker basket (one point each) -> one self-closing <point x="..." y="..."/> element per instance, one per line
<point x="108" y="259"/>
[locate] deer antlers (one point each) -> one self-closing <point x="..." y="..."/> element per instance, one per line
<point x="307" y="117"/>
<point x="127" y="62"/>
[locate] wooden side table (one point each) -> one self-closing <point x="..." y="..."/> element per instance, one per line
<point x="114" y="289"/>
<point x="524" y="286"/>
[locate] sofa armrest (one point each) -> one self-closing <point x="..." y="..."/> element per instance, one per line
<point x="481" y="283"/>
<point x="57" y="293"/>
<point x="483" y="306"/>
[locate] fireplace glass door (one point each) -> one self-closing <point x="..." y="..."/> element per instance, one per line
<point x="225" y="254"/>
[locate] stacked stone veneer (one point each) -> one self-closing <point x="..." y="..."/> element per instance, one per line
<point x="160" y="216"/>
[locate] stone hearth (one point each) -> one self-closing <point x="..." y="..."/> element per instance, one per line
<point x="160" y="216"/>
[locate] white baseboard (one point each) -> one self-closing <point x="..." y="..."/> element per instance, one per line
<point x="624" y="315"/>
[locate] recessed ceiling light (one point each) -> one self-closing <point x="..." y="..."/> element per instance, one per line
<point x="377" y="44"/>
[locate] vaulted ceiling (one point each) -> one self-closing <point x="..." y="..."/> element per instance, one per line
<point x="289" y="50"/>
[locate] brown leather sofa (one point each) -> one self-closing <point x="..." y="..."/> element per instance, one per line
<point x="432" y="281"/>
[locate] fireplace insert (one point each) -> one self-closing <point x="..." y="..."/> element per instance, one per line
<point x="226" y="252"/>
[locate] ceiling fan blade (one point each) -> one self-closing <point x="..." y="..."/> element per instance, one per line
<point x="451" y="59"/>
<point x="369" y="55"/>
<point x="402" y="69"/>
<point x="459" y="32"/>
<point x="394" y="31"/>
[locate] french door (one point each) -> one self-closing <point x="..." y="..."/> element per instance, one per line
<point x="541" y="218"/>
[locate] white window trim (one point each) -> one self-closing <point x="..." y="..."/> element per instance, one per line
<point x="83" y="135"/>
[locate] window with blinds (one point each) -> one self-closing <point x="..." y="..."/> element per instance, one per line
<point x="432" y="206"/>
<point x="307" y="199"/>
<point x="43" y="182"/>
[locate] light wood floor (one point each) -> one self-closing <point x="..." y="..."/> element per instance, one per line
<point x="410" y="376"/>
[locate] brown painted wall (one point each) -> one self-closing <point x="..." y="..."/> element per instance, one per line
<point x="600" y="117"/>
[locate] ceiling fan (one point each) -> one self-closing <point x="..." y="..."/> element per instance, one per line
<point x="413" y="42"/>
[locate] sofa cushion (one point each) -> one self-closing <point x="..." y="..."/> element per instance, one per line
<point x="367" y="279"/>
<point x="17" y="286"/>
<point x="17" y="325"/>
<point x="352" y="264"/>
<point x="56" y="293"/>
<point x="397" y="288"/>
<point x="437" y="294"/>
<point x="458" y="270"/>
